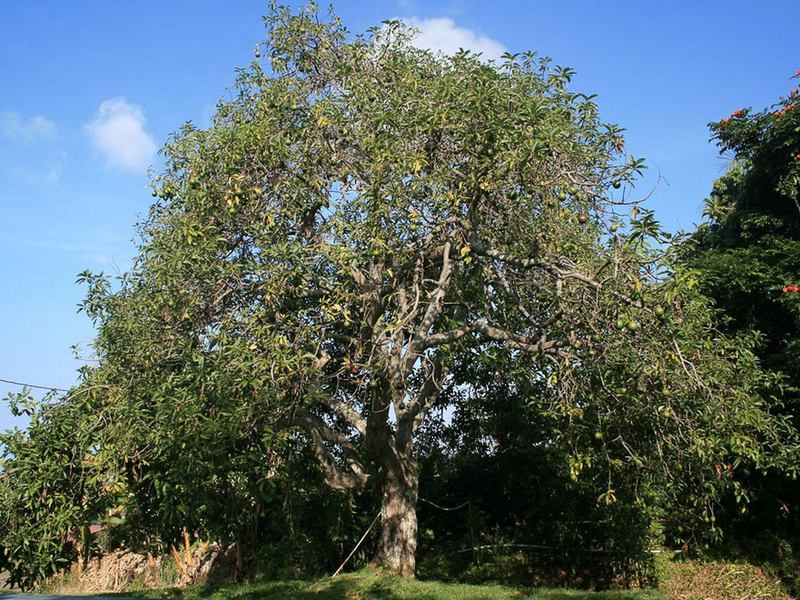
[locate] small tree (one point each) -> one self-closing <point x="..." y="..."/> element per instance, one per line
<point x="364" y="217"/>
<point x="52" y="487"/>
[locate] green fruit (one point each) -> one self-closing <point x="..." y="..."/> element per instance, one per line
<point x="583" y="217"/>
<point x="562" y="195"/>
<point x="372" y="384"/>
<point x="632" y="325"/>
<point x="572" y="190"/>
<point x="659" y="311"/>
<point x="613" y="227"/>
<point x="620" y="324"/>
<point x="596" y="338"/>
<point x="598" y="435"/>
<point x="616" y="185"/>
<point x="592" y="352"/>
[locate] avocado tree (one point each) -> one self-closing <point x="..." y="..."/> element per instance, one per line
<point x="360" y="220"/>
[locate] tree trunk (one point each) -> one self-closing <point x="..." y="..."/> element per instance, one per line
<point x="398" y="539"/>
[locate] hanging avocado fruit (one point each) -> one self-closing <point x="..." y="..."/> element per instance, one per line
<point x="659" y="312"/>
<point x="583" y="218"/>
<point x="616" y="185"/>
<point x="620" y="324"/>
<point x="613" y="227"/>
<point x="632" y="326"/>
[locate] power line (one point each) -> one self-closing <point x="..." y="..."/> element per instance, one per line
<point x="31" y="385"/>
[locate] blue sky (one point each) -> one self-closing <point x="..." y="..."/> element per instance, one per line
<point x="89" y="90"/>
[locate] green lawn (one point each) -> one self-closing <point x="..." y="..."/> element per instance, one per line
<point x="369" y="585"/>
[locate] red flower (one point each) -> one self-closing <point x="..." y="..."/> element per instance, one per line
<point x="791" y="289"/>
<point x="738" y="113"/>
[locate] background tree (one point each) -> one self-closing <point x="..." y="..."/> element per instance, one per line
<point x="749" y="250"/>
<point x="52" y="487"/>
<point x="747" y="259"/>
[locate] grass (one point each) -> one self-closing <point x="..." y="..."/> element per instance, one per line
<point x="374" y="585"/>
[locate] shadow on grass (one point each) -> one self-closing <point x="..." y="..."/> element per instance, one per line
<point x="380" y="588"/>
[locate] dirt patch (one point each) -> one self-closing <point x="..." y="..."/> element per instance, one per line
<point x="691" y="580"/>
<point x="126" y="570"/>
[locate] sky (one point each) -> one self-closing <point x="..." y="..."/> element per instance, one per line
<point x="91" y="90"/>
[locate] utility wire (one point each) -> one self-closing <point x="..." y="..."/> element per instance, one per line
<point x="31" y="385"/>
<point x="353" y="551"/>
<point x="462" y="505"/>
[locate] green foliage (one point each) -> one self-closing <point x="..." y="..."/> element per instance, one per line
<point x="596" y="463"/>
<point x="514" y="511"/>
<point x="367" y="234"/>
<point x="749" y="250"/>
<point x="53" y="486"/>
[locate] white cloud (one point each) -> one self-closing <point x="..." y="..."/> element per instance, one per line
<point x="18" y="129"/>
<point x="55" y="171"/>
<point x="443" y="35"/>
<point x="117" y="131"/>
<point x="44" y="172"/>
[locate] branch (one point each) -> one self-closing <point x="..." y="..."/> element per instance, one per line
<point x="553" y="268"/>
<point x="427" y="395"/>
<point x="334" y="476"/>
<point x="517" y="341"/>
<point x="445" y="337"/>
<point x="434" y="307"/>
<point x="342" y="409"/>
<point x="347" y="412"/>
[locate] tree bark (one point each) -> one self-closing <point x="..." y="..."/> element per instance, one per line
<point x="397" y="544"/>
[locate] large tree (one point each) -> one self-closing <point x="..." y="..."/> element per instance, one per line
<point x="360" y="220"/>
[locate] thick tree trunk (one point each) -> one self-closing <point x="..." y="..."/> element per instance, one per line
<point x="397" y="544"/>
